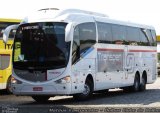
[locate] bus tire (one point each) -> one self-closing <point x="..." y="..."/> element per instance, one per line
<point x="40" y="98"/>
<point x="87" y="93"/>
<point x="8" y="87"/>
<point x="136" y="85"/>
<point x="143" y="84"/>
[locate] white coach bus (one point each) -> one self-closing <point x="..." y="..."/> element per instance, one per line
<point x="75" y="52"/>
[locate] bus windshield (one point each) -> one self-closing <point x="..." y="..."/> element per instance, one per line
<point x="40" y="46"/>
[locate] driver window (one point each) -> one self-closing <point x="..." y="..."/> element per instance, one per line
<point x="75" y="46"/>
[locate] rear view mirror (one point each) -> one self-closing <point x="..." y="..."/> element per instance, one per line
<point x="7" y="31"/>
<point x="68" y="32"/>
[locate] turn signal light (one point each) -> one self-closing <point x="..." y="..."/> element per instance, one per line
<point x="64" y="80"/>
<point x="15" y="81"/>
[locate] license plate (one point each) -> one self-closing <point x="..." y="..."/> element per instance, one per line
<point x="37" y="88"/>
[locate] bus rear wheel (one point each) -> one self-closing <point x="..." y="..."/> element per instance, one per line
<point x="143" y="84"/>
<point x="136" y="85"/>
<point x="40" y="99"/>
<point x="86" y="94"/>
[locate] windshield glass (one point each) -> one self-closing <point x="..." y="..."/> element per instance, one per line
<point x="40" y="46"/>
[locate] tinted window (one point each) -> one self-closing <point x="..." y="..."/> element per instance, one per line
<point x="143" y="37"/>
<point x="149" y="35"/>
<point x="4" y="61"/>
<point x="153" y="37"/>
<point x="133" y="36"/>
<point x="41" y="45"/>
<point x="75" y="46"/>
<point x="104" y="33"/>
<point x="87" y="35"/>
<point x="119" y="34"/>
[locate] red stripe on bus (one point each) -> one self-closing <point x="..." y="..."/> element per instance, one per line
<point x="114" y="50"/>
<point x="142" y="50"/>
<point x="121" y="50"/>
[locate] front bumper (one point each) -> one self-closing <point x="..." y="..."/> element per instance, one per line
<point x="50" y="89"/>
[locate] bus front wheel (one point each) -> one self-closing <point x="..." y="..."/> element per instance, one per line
<point x="86" y="94"/>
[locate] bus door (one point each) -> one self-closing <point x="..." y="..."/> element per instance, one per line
<point x="1" y="77"/>
<point x="83" y="54"/>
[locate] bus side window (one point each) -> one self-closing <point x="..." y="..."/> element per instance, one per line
<point x="119" y="34"/>
<point x="144" y="38"/>
<point x="133" y="36"/>
<point x="12" y="33"/>
<point x="4" y="61"/>
<point x="104" y="32"/>
<point x="1" y="32"/>
<point x="87" y="36"/>
<point x="149" y="35"/>
<point x="75" y="46"/>
<point x="154" y="38"/>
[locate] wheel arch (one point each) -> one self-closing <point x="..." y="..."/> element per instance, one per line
<point x="90" y="77"/>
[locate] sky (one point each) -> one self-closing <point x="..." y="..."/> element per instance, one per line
<point x="137" y="11"/>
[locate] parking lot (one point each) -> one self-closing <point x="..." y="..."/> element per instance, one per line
<point x="115" y="98"/>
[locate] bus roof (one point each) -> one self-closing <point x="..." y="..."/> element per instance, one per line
<point x="113" y="21"/>
<point x="9" y="20"/>
<point x="68" y="15"/>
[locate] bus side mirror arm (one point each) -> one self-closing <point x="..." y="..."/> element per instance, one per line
<point x="7" y="31"/>
<point x="68" y="32"/>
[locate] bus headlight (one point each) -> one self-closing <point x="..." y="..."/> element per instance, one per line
<point x="15" y="81"/>
<point x="64" y="80"/>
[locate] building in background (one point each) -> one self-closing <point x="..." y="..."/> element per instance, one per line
<point x="158" y="43"/>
